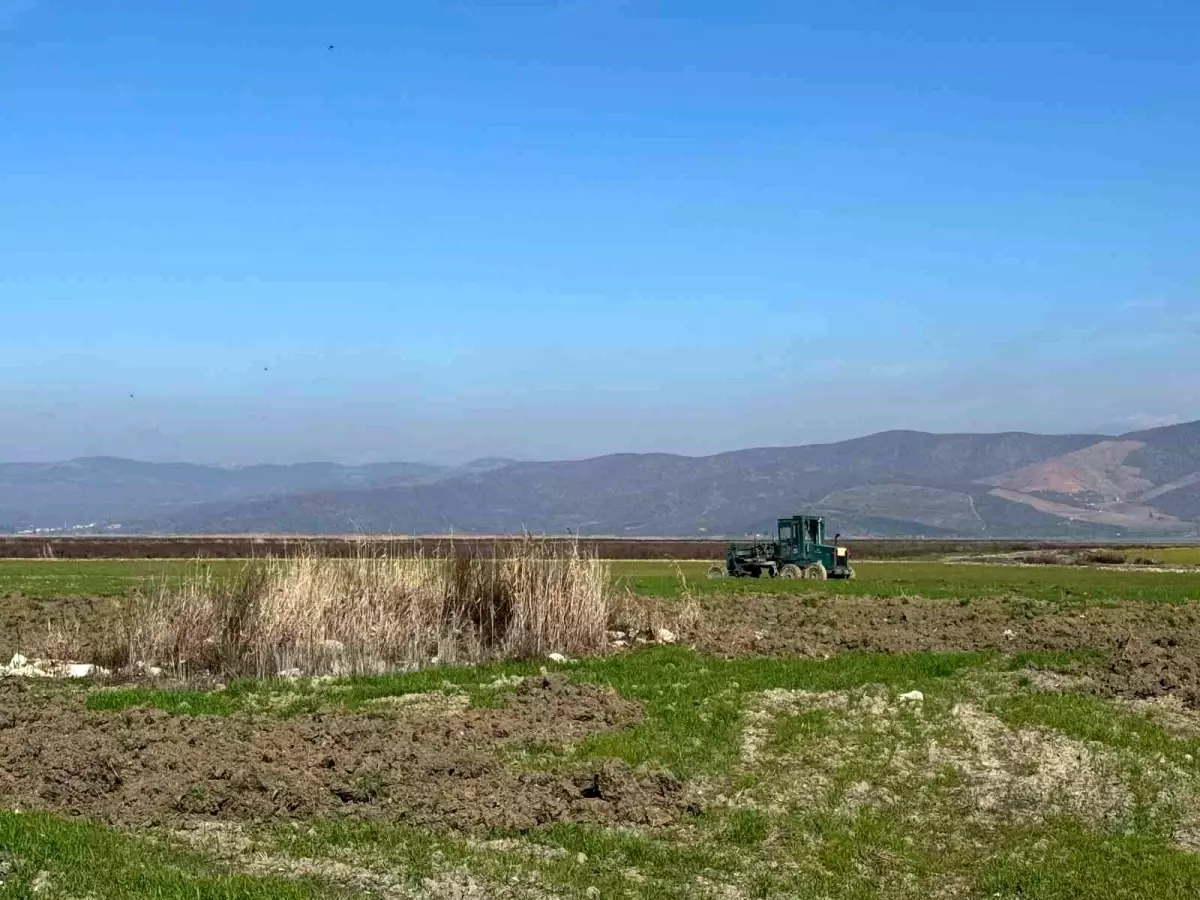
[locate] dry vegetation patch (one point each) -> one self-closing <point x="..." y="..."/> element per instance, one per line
<point x="373" y="613"/>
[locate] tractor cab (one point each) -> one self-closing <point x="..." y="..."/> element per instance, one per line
<point x="802" y="543"/>
<point x="801" y="530"/>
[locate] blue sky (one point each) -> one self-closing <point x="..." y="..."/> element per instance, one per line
<point x="570" y="227"/>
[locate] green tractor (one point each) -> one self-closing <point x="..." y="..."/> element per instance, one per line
<point x="799" y="551"/>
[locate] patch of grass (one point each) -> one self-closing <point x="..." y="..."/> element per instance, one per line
<point x="417" y="853"/>
<point x="694" y="703"/>
<point x="54" y="857"/>
<point x="747" y="828"/>
<point x="801" y="728"/>
<point x="1094" y="719"/>
<point x="304" y="695"/>
<point x="1168" y="556"/>
<point x="1066" y="862"/>
<point x="1055" y="660"/>
<point x="870" y="855"/>
<point x="597" y="855"/>
<point x="569" y="858"/>
<point x="178" y="702"/>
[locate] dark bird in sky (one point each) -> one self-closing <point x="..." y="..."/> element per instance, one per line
<point x="331" y="46"/>
<point x="131" y="396"/>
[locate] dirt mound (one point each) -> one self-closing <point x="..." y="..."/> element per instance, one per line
<point x="1146" y="668"/>
<point x="798" y="626"/>
<point x="417" y="763"/>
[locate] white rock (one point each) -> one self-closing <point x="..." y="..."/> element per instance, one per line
<point x="155" y="671"/>
<point x="21" y="667"/>
<point x="556" y="657"/>
<point x="83" y="670"/>
<point x="620" y="644"/>
<point x="912" y="697"/>
<point x="290" y="673"/>
<point x="664" y="636"/>
<point x="1009" y="634"/>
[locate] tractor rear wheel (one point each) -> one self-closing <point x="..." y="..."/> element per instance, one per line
<point x="816" y="572"/>
<point x="716" y="571"/>
<point x="790" y="570"/>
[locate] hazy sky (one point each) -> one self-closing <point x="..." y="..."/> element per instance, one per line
<point x="558" y="229"/>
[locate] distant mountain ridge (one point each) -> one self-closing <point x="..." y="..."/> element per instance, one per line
<point x="895" y="483"/>
<point x="108" y="489"/>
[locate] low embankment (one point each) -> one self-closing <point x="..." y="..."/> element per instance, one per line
<point x="249" y="546"/>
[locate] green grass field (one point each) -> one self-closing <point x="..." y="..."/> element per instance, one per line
<point x="933" y="580"/>
<point x="96" y="578"/>
<point x="1170" y="556"/>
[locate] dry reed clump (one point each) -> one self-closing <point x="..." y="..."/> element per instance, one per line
<point x="373" y="613"/>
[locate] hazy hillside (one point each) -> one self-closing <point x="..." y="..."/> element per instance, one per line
<point x="103" y="489"/>
<point x="1184" y="502"/>
<point x="894" y="483"/>
<point x="1170" y="454"/>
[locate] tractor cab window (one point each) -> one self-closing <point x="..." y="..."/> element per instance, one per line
<point x="814" y="531"/>
<point x="785" y="533"/>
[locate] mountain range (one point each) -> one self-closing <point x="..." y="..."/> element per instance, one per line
<point x="896" y="483"/>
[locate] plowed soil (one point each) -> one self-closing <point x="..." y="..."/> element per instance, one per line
<point x="1148" y="649"/>
<point x="54" y="626"/>
<point x="424" y="763"/>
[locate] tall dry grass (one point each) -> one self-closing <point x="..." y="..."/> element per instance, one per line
<point x="373" y="613"/>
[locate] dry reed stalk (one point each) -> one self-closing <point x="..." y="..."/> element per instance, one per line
<point x="374" y="612"/>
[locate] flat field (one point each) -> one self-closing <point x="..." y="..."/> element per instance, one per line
<point x="929" y="579"/>
<point x="927" y="730"/>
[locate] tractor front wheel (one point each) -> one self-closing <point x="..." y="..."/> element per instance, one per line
<point x="816" y="572"/>
<point x="716" y="572"/>
<point x="791" y="570"/>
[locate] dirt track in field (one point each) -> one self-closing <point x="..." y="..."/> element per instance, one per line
<point x="430" y="762"/>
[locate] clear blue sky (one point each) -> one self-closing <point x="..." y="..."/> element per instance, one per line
<point x="560" y="228"/>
